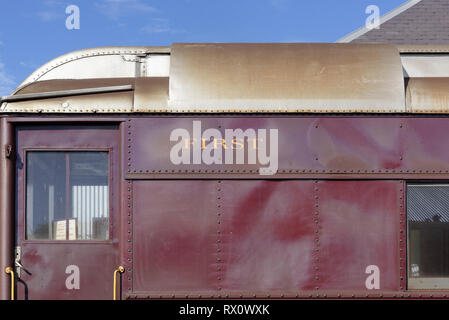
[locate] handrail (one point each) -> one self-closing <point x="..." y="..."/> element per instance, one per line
<point x="10" y="271"/>
<point x="121" y="270"/>
<point x="64" y="93"/>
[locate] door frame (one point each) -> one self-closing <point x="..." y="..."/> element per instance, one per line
<point x="114" y="180"/>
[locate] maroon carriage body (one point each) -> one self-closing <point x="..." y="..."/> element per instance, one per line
<point x="191" y="172"/>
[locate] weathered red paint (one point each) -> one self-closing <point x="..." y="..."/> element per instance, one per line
<point x="263" y="236"/>
<point x="238" y="235"/>
<point x="222" y="235"/>
<point x="266" y="239"/>
<point x="174" y="235"/>
<point x="6" y="206"/>
<point x="357" y="145"/>
<point x="47" y="260"/>
<point x="359" y="227"/>
<point x="47" y="263"/>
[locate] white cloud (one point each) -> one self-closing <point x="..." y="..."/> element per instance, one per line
<point x="115" y="9"/>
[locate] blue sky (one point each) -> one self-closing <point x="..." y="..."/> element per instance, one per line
<point x="33" y="32"/>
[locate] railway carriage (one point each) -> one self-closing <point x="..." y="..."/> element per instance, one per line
<point x="228" y="171"/>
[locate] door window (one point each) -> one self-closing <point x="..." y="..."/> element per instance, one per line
<point x="67" y="195"/>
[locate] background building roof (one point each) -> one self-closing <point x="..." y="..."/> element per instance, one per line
<point x="416" y="22"/>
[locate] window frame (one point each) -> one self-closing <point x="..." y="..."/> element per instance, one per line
<point x="26" y="150"/>
<point x="422" y="283"/>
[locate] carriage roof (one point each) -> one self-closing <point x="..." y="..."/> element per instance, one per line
<point x="240" y="78"/>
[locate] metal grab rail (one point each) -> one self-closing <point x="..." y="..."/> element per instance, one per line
<point x="121" y="270"/>
<point x="10" y="271"/>
<point x="64" y="93"/>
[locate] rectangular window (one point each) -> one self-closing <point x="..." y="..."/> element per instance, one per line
<point x="67" y="195"/>
<point x="428" y="236"/>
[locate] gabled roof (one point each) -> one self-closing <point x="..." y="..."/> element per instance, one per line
<point x="416" y="22"/>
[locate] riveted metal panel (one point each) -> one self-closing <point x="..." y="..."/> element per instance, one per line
<point x="308" y="146"/>
<point x="403" y="237"/>
<point x="126" y="245"/>
<point x="305" y="144"/>
<point x="266" y="236"/>
<point x="222" y="236"/>
<point x="304" y="295"/>
<point x="359" y="227"/>
<point x="423" y="48"/>
<point x="424" y="147"/>
<point x="267" y="239"/>
<point x="286" y="77"/>
<point x="174" y="233"/>
<point x="89" y="103"/>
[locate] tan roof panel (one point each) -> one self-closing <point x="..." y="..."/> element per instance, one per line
<point x="111" y="102"/>
<point x="151" y="94"/>
<point x="91" y="95"/>
<point x="428" y="95"/>
<point x="286" y="77"/>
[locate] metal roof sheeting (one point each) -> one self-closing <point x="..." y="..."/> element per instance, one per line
<point x="243" y="78"/>
<point x="105" y="62"/>
<point x="427" y="95"/>
<point x="425" y="65"/>
<point x="91" y="95"/>
<point x="291" y="77"/>
<point x="107" y="102"/>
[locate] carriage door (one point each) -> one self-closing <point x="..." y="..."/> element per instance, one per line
<point x="67" y="211"/>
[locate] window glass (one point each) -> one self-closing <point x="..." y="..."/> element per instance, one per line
<point x="67" y="196"/>
<point x="428" y="230"/>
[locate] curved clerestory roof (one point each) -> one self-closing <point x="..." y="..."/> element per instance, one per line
<point x="233" y="77"/>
